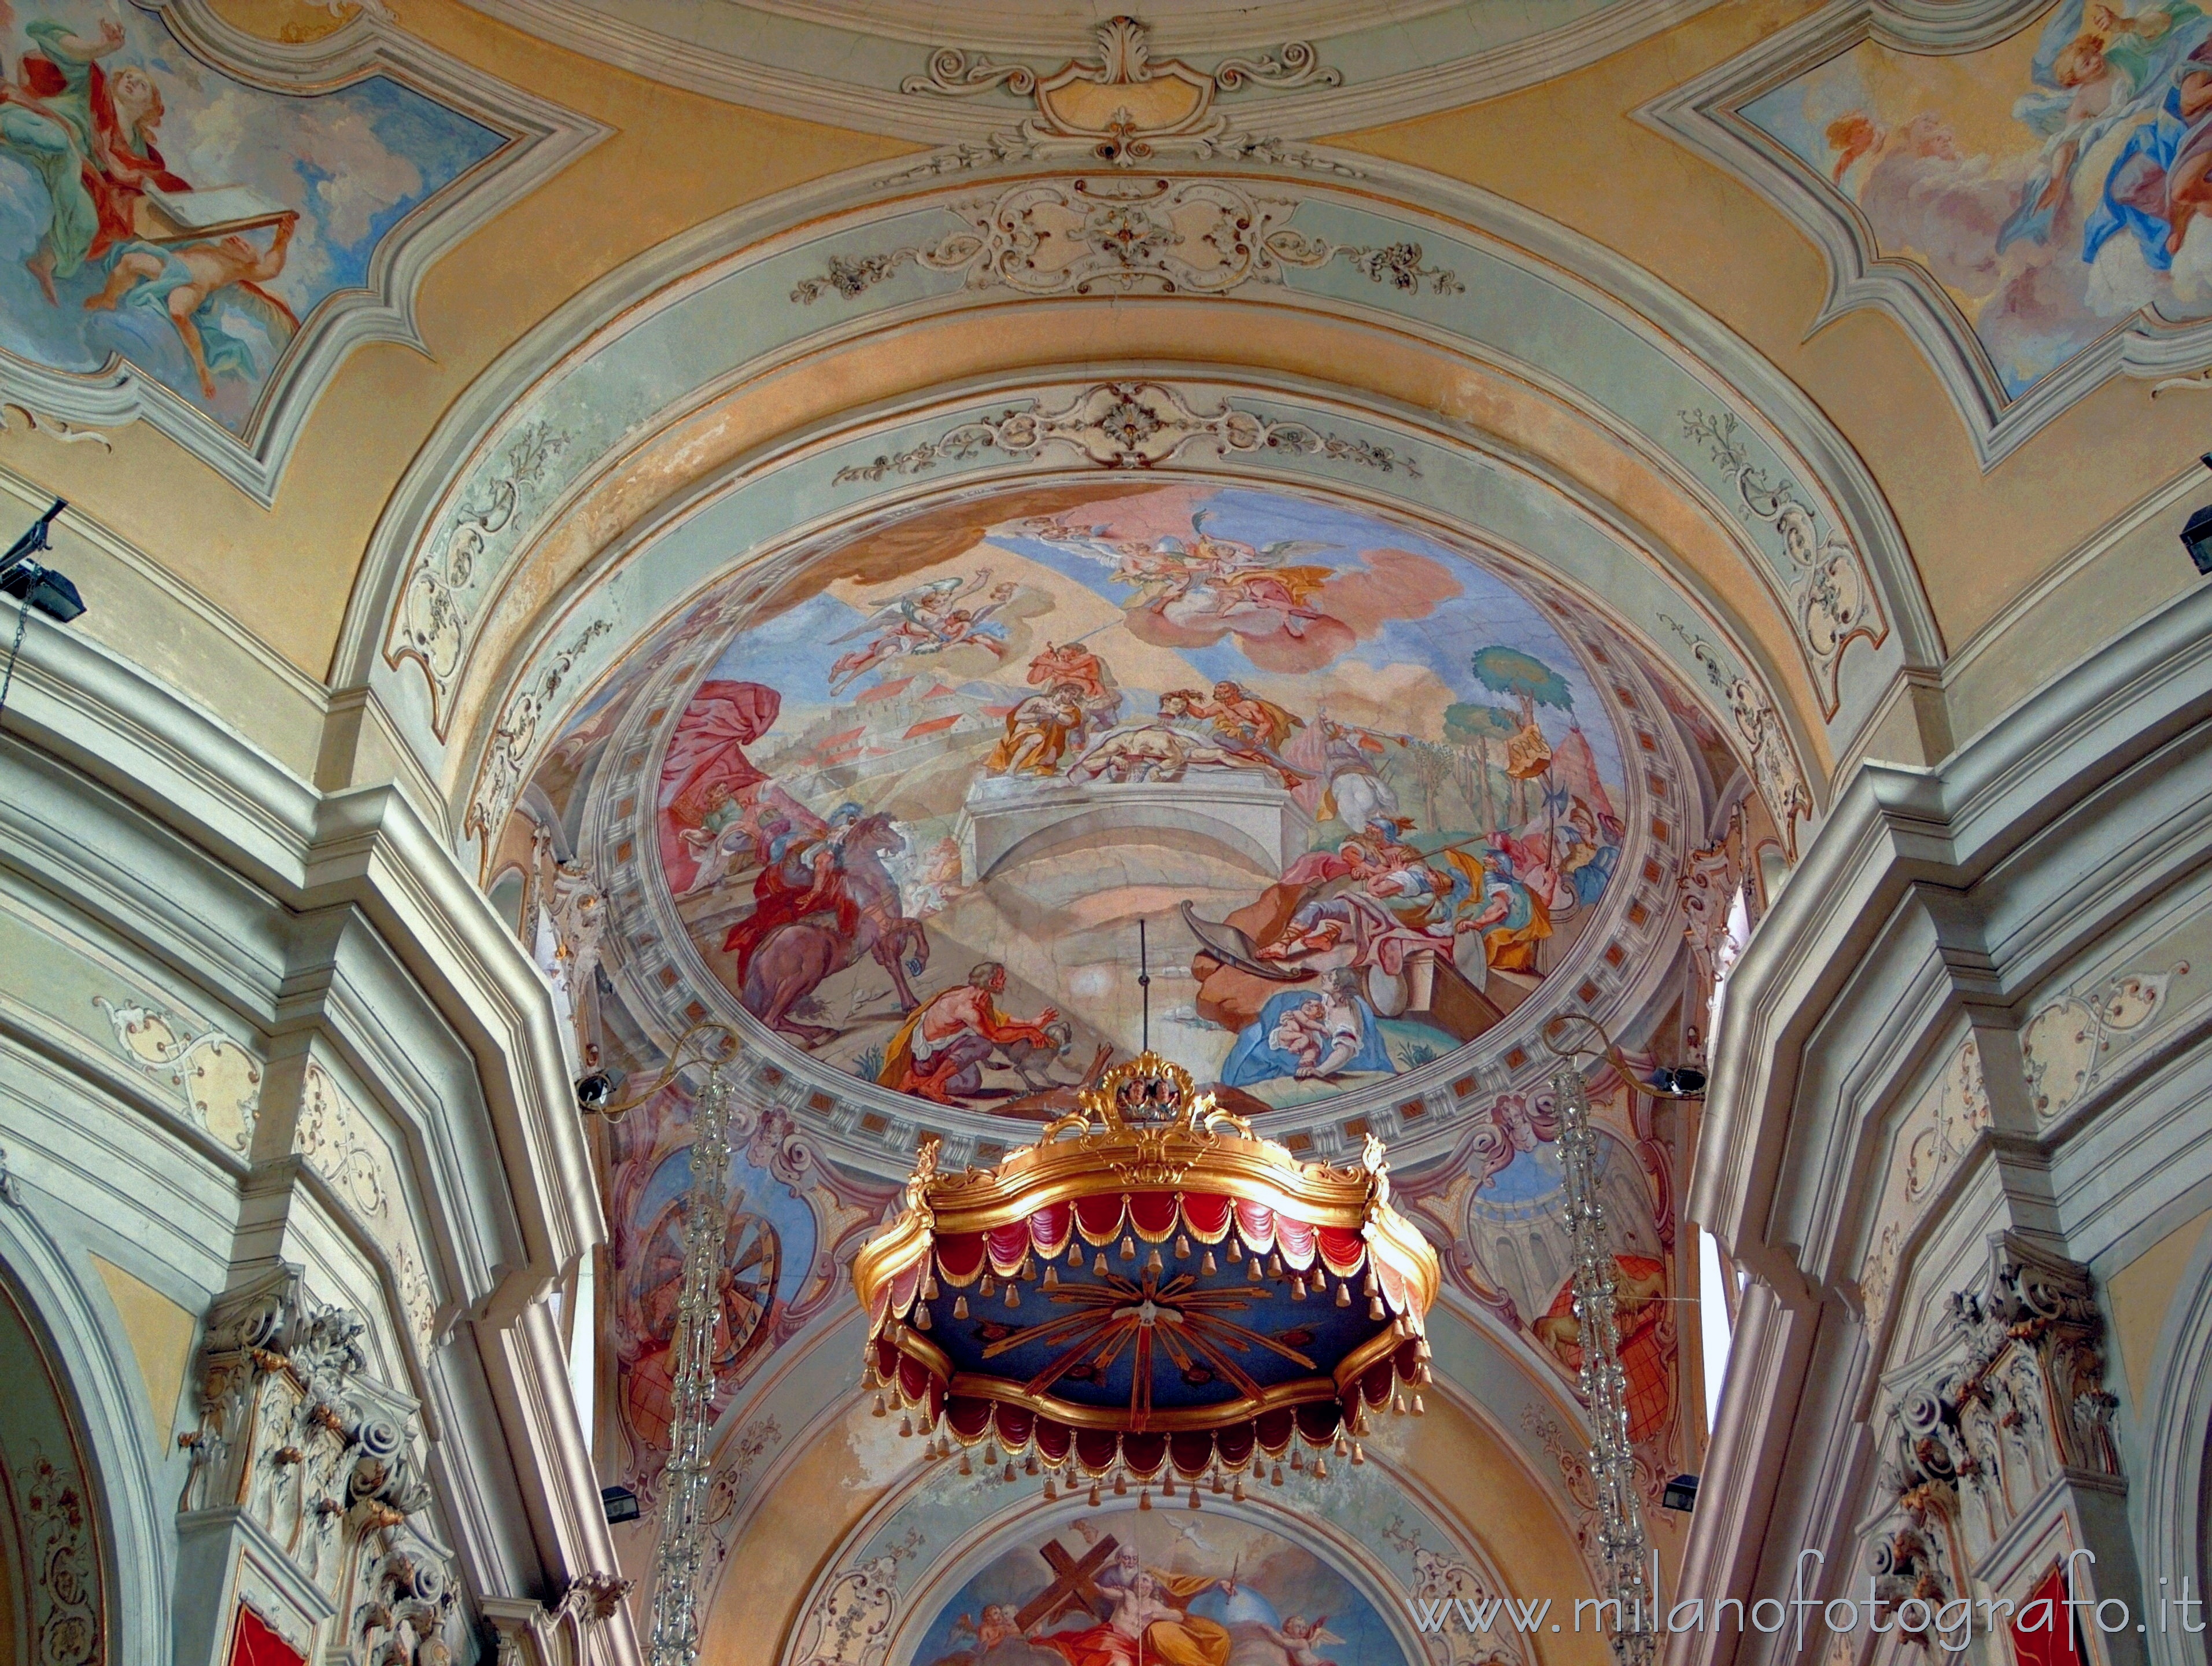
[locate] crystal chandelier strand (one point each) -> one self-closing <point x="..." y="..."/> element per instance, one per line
<point x="684" y="1482"/>
<point x="1621" y="1547"/>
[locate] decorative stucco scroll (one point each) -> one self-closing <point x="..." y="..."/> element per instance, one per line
<point x="52" y="427"/>
<point x="341" y="1144"/>
<point x="1121" y="108"/>
<point x="430" y="625"/>
<point x="1939" y="1130"/>
<point x="2069" y="1043"/>
<point x="1116" y="235"/>
<point x="850" y="1622"/>
<point x="219" y="1079"/>
<point x="1832" y="601"/>
<point x="824" y="60"/>
<point x="1128" y="425"/>
<point x="515" y="738"/>
<point x="1773" y="764"/>
<point x="1454" y="1601"/>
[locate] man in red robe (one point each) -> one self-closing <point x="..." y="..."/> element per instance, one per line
<point x="805" y="874"/>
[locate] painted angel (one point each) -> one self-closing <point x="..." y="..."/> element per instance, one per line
<point x="1246" y="578"/>
<point x="922" y="620"/>
<point x="2096" y="69"/>
<point x="931" y="601"/>
<point x="967" y="626"/>
<point x="1300" y="1639"/>
<point x="1222" y="584"/>
<point x="996" y="1626"/>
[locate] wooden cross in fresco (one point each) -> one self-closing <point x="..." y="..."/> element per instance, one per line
<point x="1072" y="1586"/>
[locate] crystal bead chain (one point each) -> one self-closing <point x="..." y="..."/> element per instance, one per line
<point x="1621" y="1546"/>
<point x="684" y="1482"/>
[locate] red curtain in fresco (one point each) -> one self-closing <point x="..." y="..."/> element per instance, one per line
<point x="253" y="1643"/>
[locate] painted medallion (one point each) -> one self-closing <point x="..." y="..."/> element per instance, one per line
<point x="2050" y="183"/>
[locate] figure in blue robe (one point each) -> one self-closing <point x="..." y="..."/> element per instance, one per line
<point x="1311" y="1035"/>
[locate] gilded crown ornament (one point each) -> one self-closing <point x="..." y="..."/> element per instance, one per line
<point x="1151" y="1294"/>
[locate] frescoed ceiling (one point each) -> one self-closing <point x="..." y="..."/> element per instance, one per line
<point x="678" y="157"/>
<point x="1369" y="803"/>
<point x="1371" y="806"/>
<point x="2021" y="194"/>
<point x="198" y="225"/>
<point x="959" y="541"/>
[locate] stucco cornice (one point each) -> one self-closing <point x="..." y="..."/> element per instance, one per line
<point x="339" y="933"/>
<point x="236" y="809"/>
<point x="1947" y="828"/>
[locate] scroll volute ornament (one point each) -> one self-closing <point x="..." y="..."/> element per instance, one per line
<point x="1123" y="107"/>
<point x="294" y="1433"/>
<point x="2007" y="1413"/>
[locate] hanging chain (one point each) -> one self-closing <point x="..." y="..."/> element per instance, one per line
<point x="7" y="682"/>
<point x="1621" y="1545"/>
<point x="684" y="1482"/>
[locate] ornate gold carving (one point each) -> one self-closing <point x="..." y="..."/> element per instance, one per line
<point x="1974" y="1440"/>
<point x="1145" y="1090"/>
<point x="1145" y="1126"/>
<point x="327" y="1461"/>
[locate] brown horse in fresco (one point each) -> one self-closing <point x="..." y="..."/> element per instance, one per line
<point x="795" y="959"/>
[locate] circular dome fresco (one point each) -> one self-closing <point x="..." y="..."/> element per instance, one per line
<point x="1357" y="807"/>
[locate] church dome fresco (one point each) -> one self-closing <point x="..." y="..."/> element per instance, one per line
<point x="1192" y="1588"/>
<point x="1351" y="798"/>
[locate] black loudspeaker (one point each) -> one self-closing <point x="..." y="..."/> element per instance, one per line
<point x="45" y="589"/>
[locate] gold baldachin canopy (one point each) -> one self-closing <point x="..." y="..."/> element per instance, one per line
<point x="1103" y="1151"/>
